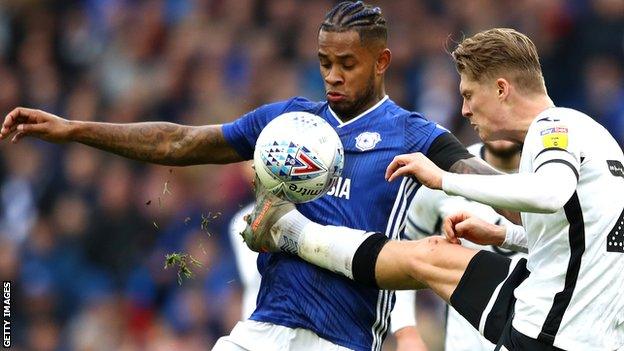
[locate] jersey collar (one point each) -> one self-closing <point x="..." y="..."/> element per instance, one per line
<point x="372" y="108"/>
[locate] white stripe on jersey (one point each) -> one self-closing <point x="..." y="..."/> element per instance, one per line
<point x="396" y="223"/>
<point x="382" y="305"/>
<point x="395" y="206"/>
<point x="377" y="336"/>
<point x="400" y="223"/>
<point x="404" y="215"/>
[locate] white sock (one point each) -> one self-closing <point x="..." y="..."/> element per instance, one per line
<point x="326" y="246"/>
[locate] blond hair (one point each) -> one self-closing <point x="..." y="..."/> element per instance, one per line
<point x="501" y="52"/>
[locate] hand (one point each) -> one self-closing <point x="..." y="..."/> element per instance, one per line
<point x="28" y="122"/>
<point x="465" y="225"/>
<point x="417" y="165"/>
<point x="409" y="339"/>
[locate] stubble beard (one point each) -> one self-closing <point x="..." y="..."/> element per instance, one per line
<point x="349" y="109"/>
<point x="504" y="152"/>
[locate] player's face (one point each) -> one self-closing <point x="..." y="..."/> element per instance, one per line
<point x="348" y="70"/>
<point x="481" y="106"/>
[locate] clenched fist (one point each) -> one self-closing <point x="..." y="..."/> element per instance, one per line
<point x="465" y="225"/>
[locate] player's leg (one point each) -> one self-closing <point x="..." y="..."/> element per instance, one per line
<point x="476" y="283"/>
<point x="369" y="258"/>
<point x="428" y="263"/>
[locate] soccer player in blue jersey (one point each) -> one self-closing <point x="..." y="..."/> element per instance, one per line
<point x="568" y="294"/>
<point x="301" y="306"/>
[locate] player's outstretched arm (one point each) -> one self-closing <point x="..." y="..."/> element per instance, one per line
<point x="156" y="142"/>
<point x="545" y="191"/>
<point x="476" y="165"/>
<point x="429" y="174"/>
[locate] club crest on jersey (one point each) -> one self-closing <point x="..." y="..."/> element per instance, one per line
<point x="367" y="141"/>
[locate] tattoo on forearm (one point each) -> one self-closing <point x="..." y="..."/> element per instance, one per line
<point x="475" y="165"/>
<point x="160" y="142"/>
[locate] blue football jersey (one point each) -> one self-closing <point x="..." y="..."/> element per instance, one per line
<point x="296" y="294"/>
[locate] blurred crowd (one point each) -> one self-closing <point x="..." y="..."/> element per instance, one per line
<point x="83" y="234"/>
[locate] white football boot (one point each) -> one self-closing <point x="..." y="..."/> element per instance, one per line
<point x="263" y="233"/>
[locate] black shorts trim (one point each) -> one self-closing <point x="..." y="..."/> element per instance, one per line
<point x="485" y="272"/>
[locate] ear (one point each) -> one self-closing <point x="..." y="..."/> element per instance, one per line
<point x="383" y="61"/>
<point x="503" y="87"/>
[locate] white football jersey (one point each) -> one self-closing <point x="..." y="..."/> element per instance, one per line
<point x="425" y="216"/>
<point x="574" y="296"/>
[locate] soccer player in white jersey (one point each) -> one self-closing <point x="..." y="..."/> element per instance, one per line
<point x="426" y="214"/>
<point x="569" y="293"/>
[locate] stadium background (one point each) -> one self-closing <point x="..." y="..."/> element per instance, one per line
<point x="83" y="234"/>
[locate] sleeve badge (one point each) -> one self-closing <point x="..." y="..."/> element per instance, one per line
<point x="555" y="137"/>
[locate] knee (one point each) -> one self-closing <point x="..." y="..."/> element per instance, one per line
<point x="425" y="255"/>
<point x="429" y="248"/>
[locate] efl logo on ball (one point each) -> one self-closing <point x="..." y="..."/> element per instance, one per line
<point x="298" y="156"/>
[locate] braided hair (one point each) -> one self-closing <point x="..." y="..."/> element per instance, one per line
<point x="366" y="20"/>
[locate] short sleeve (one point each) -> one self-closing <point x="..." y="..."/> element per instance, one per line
<point x="554" y="140"/>
<point x="243" y="132"/>
<point x="445" y="150"/>
<point x="420" y="133"/>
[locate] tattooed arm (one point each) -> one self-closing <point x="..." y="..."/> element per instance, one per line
<point x="430" y="175"/>
<point x="156" y="142"/>
<point x="475" y="165"/>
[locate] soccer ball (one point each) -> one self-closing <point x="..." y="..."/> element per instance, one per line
<point x="298" y="156"/>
